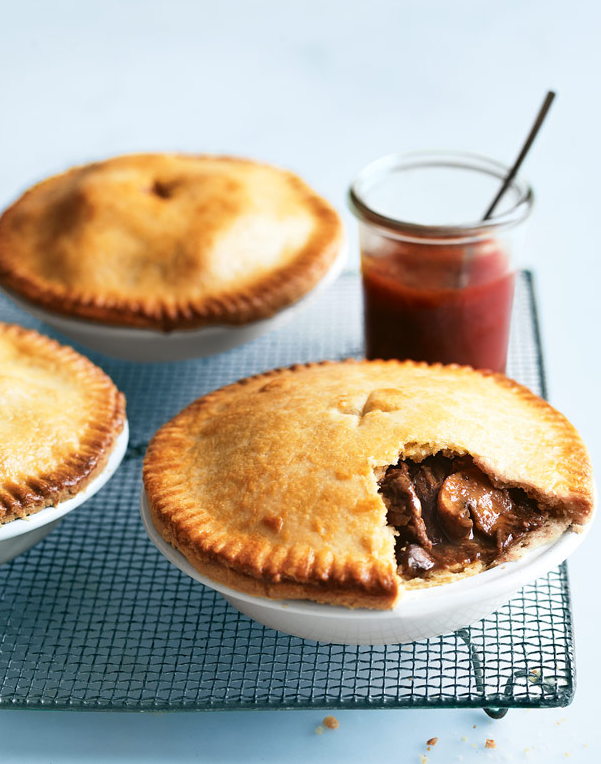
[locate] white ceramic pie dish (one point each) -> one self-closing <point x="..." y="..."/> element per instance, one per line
<point x="421" y="614"/>
<point x="19" y="535"/>
<point x="147" y="345"/>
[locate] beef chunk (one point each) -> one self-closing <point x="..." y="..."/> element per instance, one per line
<point x="428" y="476"/>
<point x="523" y="517"/>
<point x="414" y="560"/>
<point x="404" y="506"/>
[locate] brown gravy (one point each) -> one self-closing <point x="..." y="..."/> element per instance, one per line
<point x="448" y="514"/>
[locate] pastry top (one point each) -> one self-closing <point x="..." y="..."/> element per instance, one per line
<point x="61" y="416"/>
<point x="273" y="480"/>
<point x="168" y="241"/>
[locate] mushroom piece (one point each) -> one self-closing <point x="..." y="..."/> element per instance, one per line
<point x="468" y="496"/>
<point x="453" y="509"/>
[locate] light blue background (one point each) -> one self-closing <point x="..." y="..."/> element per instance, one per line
<point x="323" y="87"/>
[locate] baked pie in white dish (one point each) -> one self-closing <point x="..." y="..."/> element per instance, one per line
<point x="167" y="244"/>
<point x="62" y="419"/>
<point x="357" y="483"/>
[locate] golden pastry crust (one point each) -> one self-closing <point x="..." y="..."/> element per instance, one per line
<point x="168" y="241"/>
<point x="61" y="416"/>
<point x="270" y="485"/>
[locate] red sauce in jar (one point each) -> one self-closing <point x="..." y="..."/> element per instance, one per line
<point x="447" y="303"/>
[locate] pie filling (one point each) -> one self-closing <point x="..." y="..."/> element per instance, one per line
<point x="448" y="514"/>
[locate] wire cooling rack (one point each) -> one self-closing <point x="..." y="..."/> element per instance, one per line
<point x="94" y="617"/>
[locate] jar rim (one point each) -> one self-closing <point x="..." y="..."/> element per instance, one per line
<point x="518" y="212"/>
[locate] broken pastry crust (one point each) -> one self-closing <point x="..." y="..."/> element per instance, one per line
<point x="270" y="485"/>
<point x="168" y="241"/>
<point x="61" y="417"/>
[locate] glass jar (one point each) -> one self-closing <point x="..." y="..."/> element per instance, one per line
<point x="435" y="288"/>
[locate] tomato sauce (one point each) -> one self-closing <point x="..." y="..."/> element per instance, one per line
<point x="446" y="303"/>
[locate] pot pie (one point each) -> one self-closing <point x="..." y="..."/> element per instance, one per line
<point x="347" y="483"/>
<point x="168" y="241"/>
<point x="61" y="416"/>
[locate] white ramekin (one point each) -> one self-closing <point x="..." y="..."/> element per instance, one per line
<point x="147" y="345"/>
<point x="421" y="614"/>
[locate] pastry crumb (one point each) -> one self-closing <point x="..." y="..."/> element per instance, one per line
<point x="534" y="676"/>
<point x="490" y="743"/>
<point x="331" y="722"/>
<point x="423" y="758"/>
<point x="432" y="741"/>
<point x="464" y="739"/>
<point x="319" y="730"/>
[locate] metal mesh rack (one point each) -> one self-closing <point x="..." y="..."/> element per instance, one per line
<point x="95" y="618"/>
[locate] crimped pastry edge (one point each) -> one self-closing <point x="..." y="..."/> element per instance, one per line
<point x="80" y="468"/>
<point x="371" y="590"/>
<point x="218" y="571"/>
<point x="268" y="295"/>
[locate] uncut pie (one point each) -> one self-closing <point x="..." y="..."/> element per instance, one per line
<point x="168" y="241"/>
<point x="61" y="416"/>
<point x="347" y="482"/>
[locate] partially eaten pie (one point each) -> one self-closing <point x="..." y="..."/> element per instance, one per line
<point x="346" y="483"/>
<point x="168" y="241"/>
<point x="61" y="417"/>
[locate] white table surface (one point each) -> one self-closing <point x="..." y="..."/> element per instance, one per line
<point x="323" y="87"/>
